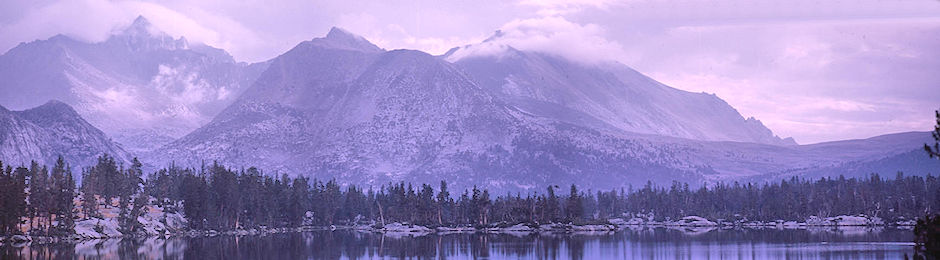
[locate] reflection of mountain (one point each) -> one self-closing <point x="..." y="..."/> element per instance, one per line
<point x="340" y="107"/>
<point x="47" y="131"/>
<point x="140" y="84"/>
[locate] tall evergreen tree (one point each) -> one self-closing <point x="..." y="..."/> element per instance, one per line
<point x="131" y="202"/>
<point x="12" y="198"/>
<point x="934" y="151"/>
<point x="444" y="203"/>
<point x="39" y="197"/>
<point x="195" y="195"/>
<point x="62" y="195"/>
<point x="573" y="209"/>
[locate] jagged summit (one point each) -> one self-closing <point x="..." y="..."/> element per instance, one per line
<point x="339" y="38"/>
<point x="141" y="35"/>
<point x="140" y="26"/>
<point x="337" y="32"/>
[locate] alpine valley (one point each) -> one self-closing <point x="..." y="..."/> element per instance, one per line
<point x="341" y="107"/>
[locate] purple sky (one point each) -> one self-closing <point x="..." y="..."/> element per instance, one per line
<point x="814" y="70"/>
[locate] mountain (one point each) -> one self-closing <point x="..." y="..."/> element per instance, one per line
<point x="606" y="95"/>
<point x="141" y="86"/>
<point x="885" y="155"/>
<point x="341" y="107"/>
<point x="49" y="130"/>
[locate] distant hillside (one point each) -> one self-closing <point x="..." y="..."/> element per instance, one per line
<point x="52" y="129"/>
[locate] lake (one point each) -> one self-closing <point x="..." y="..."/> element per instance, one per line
<point x="638" y="243"/>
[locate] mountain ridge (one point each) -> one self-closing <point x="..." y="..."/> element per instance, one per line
<point x="140" y="84"/>
<point x="330" y="109"/>
<point x="45" y="132"/>
<point x="341" y="107"/>
<point x="613" y="93"/>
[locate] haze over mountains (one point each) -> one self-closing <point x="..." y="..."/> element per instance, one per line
<point x="609" y="95"/>
<point x="140" y="86"/>
<point x="342" y="107"/>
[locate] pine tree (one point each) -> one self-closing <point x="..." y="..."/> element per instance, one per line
<point x="934" y="151"/>
<point x="194" y="191"/>
<point x="299" y="197"/>
<point x="104" y="179"/>
<point x="550" y="208"/>
<point x="12" y="198"/>
<point x="130" y="181"/>
<point x="18" y="206"/>
<point x="443" y="203"/>
<point x="573" y="209"/>
<point x="63" y="195"/>
<point x="224" y="197"/>
<point x="426" y="208"/>
<point x="251" y="186"/>
<point x="39" y="197"/>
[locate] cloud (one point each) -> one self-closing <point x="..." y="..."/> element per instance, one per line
<point x="96" y="20"/>
<point x="552" y="35"/>
<point x="815" y="81"/>
<point x="563" y="7"/>
<point x="395" y="36"/>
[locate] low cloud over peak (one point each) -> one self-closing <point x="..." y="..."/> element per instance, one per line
<point x="551" y="35"/>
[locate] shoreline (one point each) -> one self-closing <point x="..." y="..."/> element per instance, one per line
<point x="690" y="224"/>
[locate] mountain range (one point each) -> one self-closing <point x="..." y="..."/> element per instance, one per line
<point x="140" y="86"/>
<point x="341" y="107"/>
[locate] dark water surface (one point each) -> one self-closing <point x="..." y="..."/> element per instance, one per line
<point x="647" y="243"/>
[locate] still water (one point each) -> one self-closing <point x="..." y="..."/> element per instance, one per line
<point x="645" y="243"/>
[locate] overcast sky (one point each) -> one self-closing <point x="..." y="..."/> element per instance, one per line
<point x="814" y="70"/>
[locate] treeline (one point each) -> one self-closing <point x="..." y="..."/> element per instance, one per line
<point x="39" y="194"/>
<point x="794" y="199"/>
<point x="47" y="198"/>
<point x="218" y="197"/>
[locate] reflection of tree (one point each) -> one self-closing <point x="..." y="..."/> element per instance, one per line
<point x="46" y="251"/>
<point x="641" y="243"/>
<point x="548" y="246"/>
<point x="575" y="245"/>
<point x="478" y="246"/>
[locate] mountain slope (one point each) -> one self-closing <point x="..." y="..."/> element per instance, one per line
<point x="608" y="95"/>
<point x="340" y="107"/>
<point x="335" y="108"/>
<point x="52" y="129"/>
<point x="141" y="86"/>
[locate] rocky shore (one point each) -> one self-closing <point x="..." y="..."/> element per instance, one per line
<point x="156" y="223"/>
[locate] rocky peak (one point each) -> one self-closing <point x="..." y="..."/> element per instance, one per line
<point x="339" y="38"/>
<point x="51" y="111"/>
<point x="141" y="26"/>
<point x="141" y="35"/>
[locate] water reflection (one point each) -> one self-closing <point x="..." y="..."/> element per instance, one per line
<point x="646" y="243"/>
